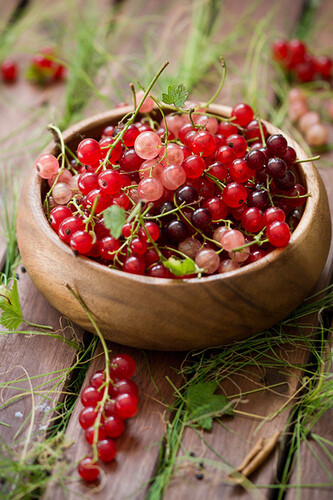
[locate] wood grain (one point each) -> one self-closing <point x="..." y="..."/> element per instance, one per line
<point x="33" y="359"/>
<point x="29" y="359"/>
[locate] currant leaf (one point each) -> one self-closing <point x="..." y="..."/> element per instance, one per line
<point x="114" y="219"/>
<point x="203" y="405"/>
<point x="177" y="95"/>
<point x="180" y="267"/>
<point x="11" y="316"/>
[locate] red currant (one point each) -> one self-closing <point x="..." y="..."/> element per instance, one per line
<point x="122" y="366"/>
<point x="126" y="405"/>
<point x="88" y="469"/>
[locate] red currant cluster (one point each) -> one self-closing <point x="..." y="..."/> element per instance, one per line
<point x="220" y="192"/>
<point x="107" y="403"/>
<point x="293" y="56"/>
<point x="43" y="69"/>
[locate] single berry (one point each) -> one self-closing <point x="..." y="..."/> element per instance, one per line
<point x="107" y="449"/>
<point x="88" y="469"/>
<point x="278" y="234"/>
<point x="122" y="366"/>
<point x="126" y="405"/>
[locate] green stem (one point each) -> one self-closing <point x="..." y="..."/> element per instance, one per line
<point x="224" y="74"/>
<point x="314" y="158"/>
<point x="36" y="325"/>
<point x="133" y="116"/>
<point x="106" y="371"/>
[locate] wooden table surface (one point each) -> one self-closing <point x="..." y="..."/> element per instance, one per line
<point x="43" y="362"/>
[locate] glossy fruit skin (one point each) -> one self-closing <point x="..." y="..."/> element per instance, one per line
<point x="90" y="434"/>
<point x="134" y="265"/>
<point x="114" y="426"/>
<point x="234" y="194"/>
<point x="89" y="152"/>
<point x="87" y="417"/>
<point x="90" y="396"/>
<point x="126" y="405"/>
<point x="278" y="234"/>
<point x="108" y="247"/>
<point x="122" y="366"/>
<point x="176" y="230"/>
<point x="243" y="114"/>
<point x="58" y="214"/>
<point x="81" y="242"/>
<point x="107" y="449"/>
<point x="68" y="227"/>
<point x="88" y="469"/>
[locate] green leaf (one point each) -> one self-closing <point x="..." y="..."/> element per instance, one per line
<point x="114" y="219"/>
<point x="180" y="267"/>
<point x="203" y="405"/>
<point x="11" y="316"/>
<point x="176" y="95"/>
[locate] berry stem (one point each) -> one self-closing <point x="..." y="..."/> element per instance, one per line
<point x="106" y="371"/>
<point x="314" y="158"/>
<point x="262" y="135"/>
<point x="131" y="85"/>
<point x="133" y="116"/>
<point x="224" y="74"/>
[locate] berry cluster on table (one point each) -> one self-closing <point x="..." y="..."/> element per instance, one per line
<point x="103" y="416"/>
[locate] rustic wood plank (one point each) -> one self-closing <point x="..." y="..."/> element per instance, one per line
<point x="312" y="459"/>
<point x="29" y="360"/>
<point x="313" y="465"/>
<point x="38" y="358"/>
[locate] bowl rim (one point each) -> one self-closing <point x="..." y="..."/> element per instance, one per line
<point x="308" y="171"/>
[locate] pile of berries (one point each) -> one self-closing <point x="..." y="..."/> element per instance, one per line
<point x="309" y="122"/>
<point x="104" y="414"/>
<point x="295" y="58"/>
<point x="220" y="192"/>
<point x="43" y="68"/>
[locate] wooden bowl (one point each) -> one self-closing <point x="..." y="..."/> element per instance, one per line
<point x="156" y="313"/>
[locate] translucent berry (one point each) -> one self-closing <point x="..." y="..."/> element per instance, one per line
<point x="107" y="449"/>
<point x="88" y="469"/>
<point x="122" y="366"/>
<point x="126" y="405"/>
<point x="150" y="189"/>
<point x="89" y="152"/>
<point x="278" y="234"/>
<point x="208" y="260"/>
<point x="147" y="145"/>
<point x="234" y="194"/>
<point x="190" y="247"/>
<point x="243" y="114"/>
<point x="193" y="166"/>
<point x="114" y="426"/>
<point x="47" y="165"/>
<point x="81" y="241"/>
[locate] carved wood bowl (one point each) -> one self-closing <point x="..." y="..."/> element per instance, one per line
<point x="163" y="314"/>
